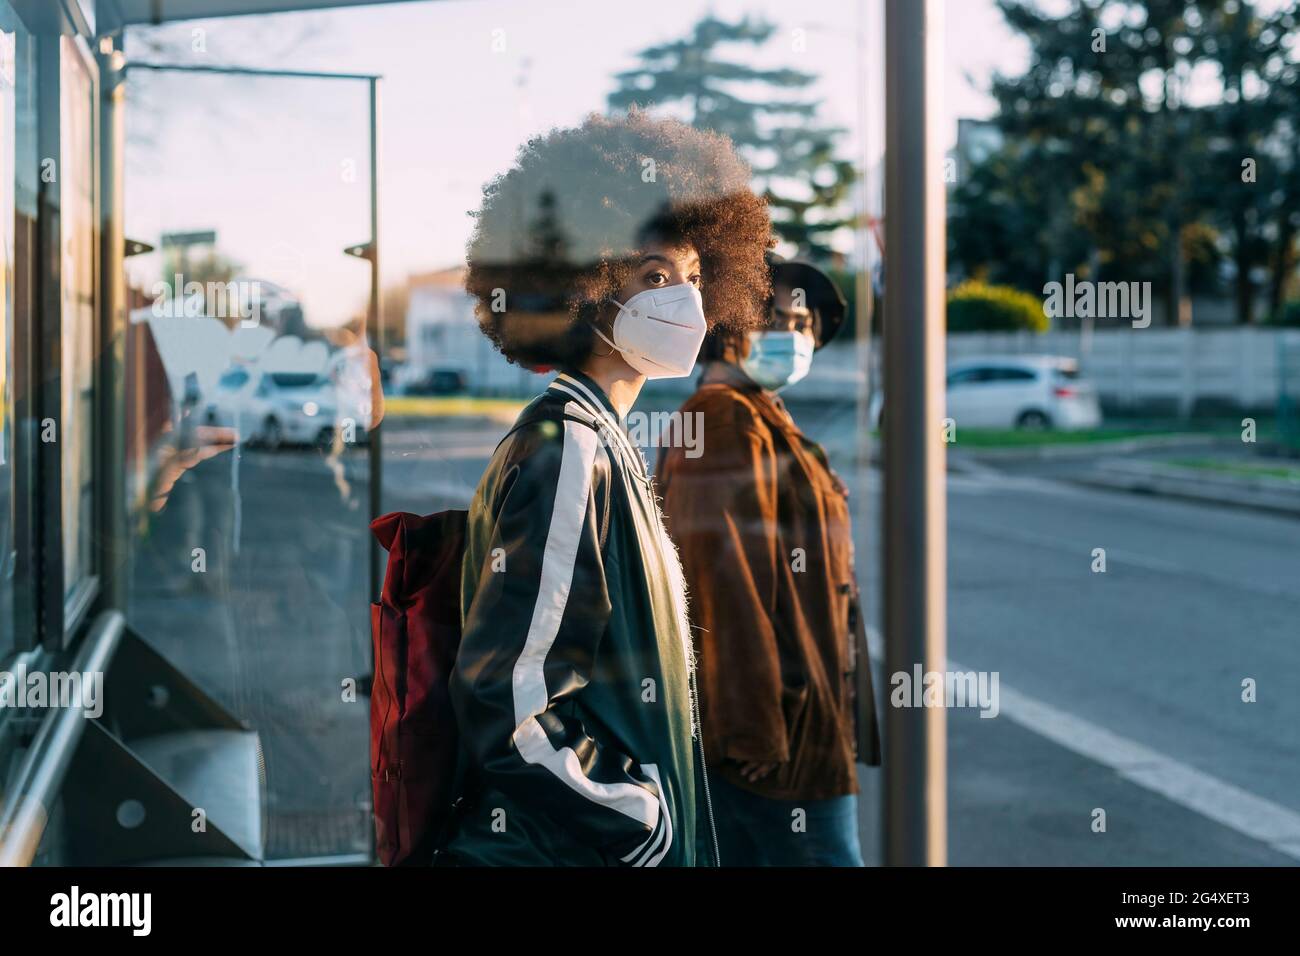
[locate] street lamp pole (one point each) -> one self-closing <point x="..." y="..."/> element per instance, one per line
<point x="914" y="505"/>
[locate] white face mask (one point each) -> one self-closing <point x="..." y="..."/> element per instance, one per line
<point x="659" y="331"/>
<point x="778" y="359"/>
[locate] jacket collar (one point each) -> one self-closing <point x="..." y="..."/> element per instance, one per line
<point x="771" y="407"/>
<point x="586" y="392"/>
<point x="729" y="373"/>
<point x="575" y="386"/>
<point x="733" y="376"/>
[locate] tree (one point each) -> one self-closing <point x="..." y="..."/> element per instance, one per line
<point x="794" y="158"/>
<point x="546" y="235"/>
<point x="1247" y="150"/>
<point x="1105" y="143"/>
<point x="1282" y="165"/>
<point x="975" y="306"/>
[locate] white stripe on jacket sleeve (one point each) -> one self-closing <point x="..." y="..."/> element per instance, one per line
<point x="655" y="848"/>
<point x="528" y="680"/>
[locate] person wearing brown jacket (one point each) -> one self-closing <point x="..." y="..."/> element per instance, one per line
<point x="763" y="529"/>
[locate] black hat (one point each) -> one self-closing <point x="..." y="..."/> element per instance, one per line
<point x="823" y="295"/>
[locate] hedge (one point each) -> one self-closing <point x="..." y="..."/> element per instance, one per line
<point x="976" y="306"/>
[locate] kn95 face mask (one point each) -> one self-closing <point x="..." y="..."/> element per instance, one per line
<point x="659" y="331"/>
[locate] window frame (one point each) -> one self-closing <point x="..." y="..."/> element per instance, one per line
<point x="19" y="325"/>
<point x="1012" y="375"/>
<point x="966" y="376"/>
<point x="79" y="601"/>
<point x="52" y="614"/>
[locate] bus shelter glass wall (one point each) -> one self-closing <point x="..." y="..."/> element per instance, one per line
<point x="15" y="93"/>
<point x="1121" y="484"/>
<point x="77" y="215"/>
<point x="248" y="409"/>
<point x="250" y="545"/>
<point x="787" y="91"/>
<point x="18" y="173"/>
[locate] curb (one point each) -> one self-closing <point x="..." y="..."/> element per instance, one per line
<point x="1275" y="495"/>
<point x="1093" y="449"/>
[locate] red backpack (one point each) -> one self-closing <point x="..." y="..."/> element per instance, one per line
<point x="415" y="629"/>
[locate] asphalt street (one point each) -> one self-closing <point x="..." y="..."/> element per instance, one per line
<point x="1120" y="691"/>
<point x="1144" y="661"/>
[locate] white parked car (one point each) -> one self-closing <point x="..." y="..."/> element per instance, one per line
<point x="1031" y="392"/>
<point x="274" y="408"/>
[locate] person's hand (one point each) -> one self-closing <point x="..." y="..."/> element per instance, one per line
<point x="754" y="771"/>
<point x="376" y="390"/>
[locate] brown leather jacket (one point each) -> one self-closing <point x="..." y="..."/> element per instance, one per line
<point x="763" y="528"/>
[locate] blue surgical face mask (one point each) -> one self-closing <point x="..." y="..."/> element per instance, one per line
<point x="778" y="359"/>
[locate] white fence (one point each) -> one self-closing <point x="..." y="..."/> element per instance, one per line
<point x="1177" y="369"/>
<point x="1157" y="371"/>
<point x="1153" y="370"/>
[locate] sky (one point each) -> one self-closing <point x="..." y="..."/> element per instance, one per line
<point x="279" y="167"/>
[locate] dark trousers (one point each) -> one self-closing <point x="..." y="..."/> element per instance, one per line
<point x="759" y="831"/>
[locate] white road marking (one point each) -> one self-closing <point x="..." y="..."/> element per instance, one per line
<point x="1224" y="803"/>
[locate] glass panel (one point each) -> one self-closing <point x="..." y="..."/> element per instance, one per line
<point x="551" y="238"/>
<point x="247" y="420"/>
<point x="77" y="217"/>
<point x="8" y="64"/>
<point x="1122" y="537"/>
<point x="250" y="549"/>
<point x="1011" y="375"/>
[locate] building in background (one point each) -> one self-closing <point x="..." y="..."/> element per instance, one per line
<point x="443" y="341"/>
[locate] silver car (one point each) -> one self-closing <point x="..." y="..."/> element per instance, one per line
<point x="272" y="409"/>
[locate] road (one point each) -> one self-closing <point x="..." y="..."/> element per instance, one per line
<point x="1131" y="678"/>
<point x="1154" y="651"/>
<point x="1119" y="691"/>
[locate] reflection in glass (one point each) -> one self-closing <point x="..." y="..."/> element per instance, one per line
<point x="77" y="216"/>
<point x="251" y="400"/>
<point x="11" y="36"/>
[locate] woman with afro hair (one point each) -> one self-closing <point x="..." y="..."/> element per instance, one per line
<point x="606" y="253"/>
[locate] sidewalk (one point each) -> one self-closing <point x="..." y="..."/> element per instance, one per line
<point x="1152" y="477"/>
<point x="1144" y="465"/>
<point x="1091" y="450"/>
<point x="1016" y="799"/>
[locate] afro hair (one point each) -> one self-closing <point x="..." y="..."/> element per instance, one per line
<point x="557" y="235"/>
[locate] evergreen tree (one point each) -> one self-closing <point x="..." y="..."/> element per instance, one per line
<point x="793" y="156"/>
<point x="1120" y="171"/>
